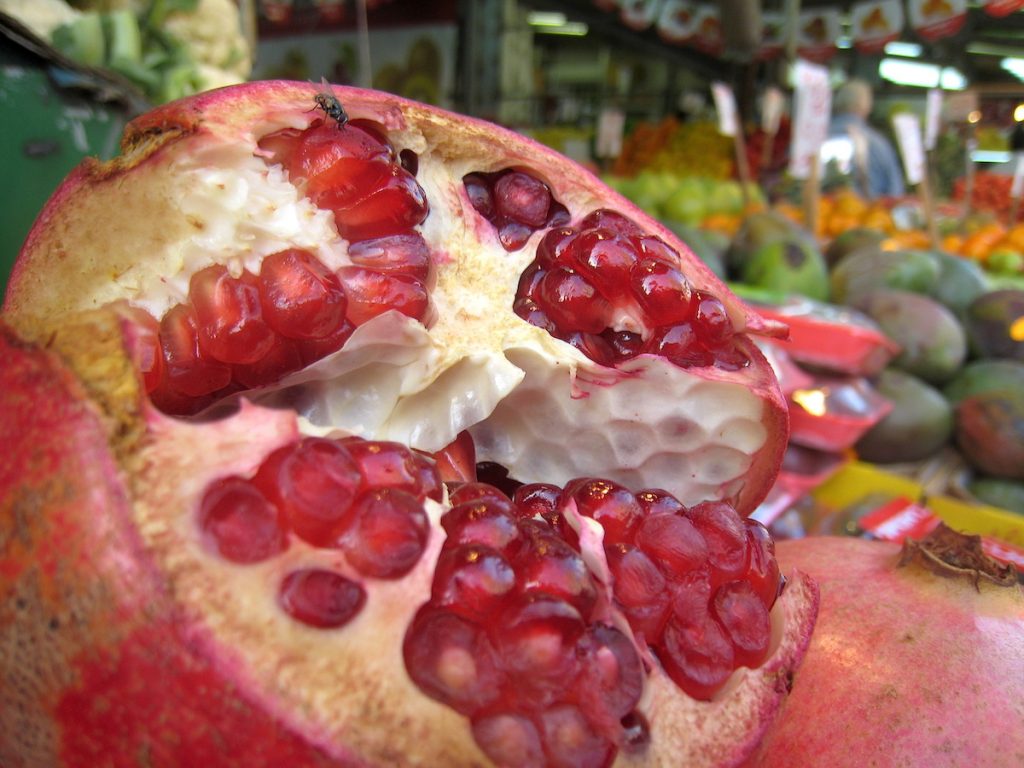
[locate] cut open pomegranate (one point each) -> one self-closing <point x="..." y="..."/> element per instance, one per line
<point x="255" y="454"/>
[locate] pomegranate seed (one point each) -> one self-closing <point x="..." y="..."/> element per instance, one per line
<point x="529" y="280"/>
<point x="613" y="221"/>
<point x="555" y="249"/>
<point x="372" y="293"/>
<point x="145" y="347"/>
<point x="314" y="483"/>
<point x="726" y="538"/>
<point x="229" y="319"/>
<point x="640" y="589"/>
<point x="451" y="660"/>
<point x="662" y="291"/>
<point x="527" y="309"/>
<point x="547" y="564"/>
<point x="613" y="506"/>
<point x="456" y="462"/>
<point x="745" y="620"/>
<point x="383" y="200"/>
<point x="538" y="500"/>
<point x="280" y="146"/>
<point x="467" y="492"/>
<point x="522" y="198"/>
<point x="471" y="580"/>
<point x="571" y="742"/>
<point x="730" y="358"/>
<point x="655" y="248"/>
<point x="283" y="358"/>
<point x="405" y="254"/>
<point x="624" y="344"/>
<point x="510" y="740"/>
<point x="513" y="234"/>
<point x="611" y="675"/>
<point x="479" y="193"/>
<point x="320" y="598"/>
<point x="711" y="320"/>
<point x="593" y="346"/>
<point x="486" y="521"/>
<point x="558" y="215"/>
<point x="311" y="350"/>
<point x="323" y="147"/>
<point x="428" y="478"/>
<point x="410" y="161"/>
<point x="572" y="302"/>
<point x="607" y="260"/>
<point x="300" y="297"/>
<point x="696" y="654"/>
<point x="387" y="535"/>
<point x="763" y="568"/>
<point x="186" y="369"/>
<point x="384" y="464"/>
<point x="654" y="501"/>
<point x="673" y="542"/>
<point x="239" y="522"/>
<point x="678" y="343"/>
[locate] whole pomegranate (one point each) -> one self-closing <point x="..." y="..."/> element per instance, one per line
<point x="252" y="369"/>
<point x="917" y="658"/>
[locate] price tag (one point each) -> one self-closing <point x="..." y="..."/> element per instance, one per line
<point x="771" y="110"/>
<point x="811" y="116"/>
<point x="933" y="112"/>
<point x="611" y="124"/>
<point x="1017" y="186"/>
<point x="908" y="136"/>
<point x="725" y="105"/>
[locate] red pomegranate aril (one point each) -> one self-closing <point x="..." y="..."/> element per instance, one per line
<point x="662" y="291"/>
<point x="385" y="201"/>
<point x="387" y="533"/>
<point x="229" y="318"/>
<point x="612" y="221"/>
<point x="406" y="254"/>
<point x="428" y="477"/>
<point x="558" y="215"/>
<point x="593" y="346"/>
<point x="321" y="598"/>
<point x="527" y="309"/>
<point x="556" y="248"/>
<point x="473" y="491"/>
<point x="730" y="358"/>
<point x="145" y="347"/>
<point x="485" y="521"/>
<point x="451" y="660"/>
<point x="655" y="500"/>
<point x="538" y="500"/>
<point x="471" y="580"/>
<point x="611" y="675"/>
<point x="572" y="302"/>
<point x="299" y="296"/>
<point x="522" y="198"/>
<point x="673" y="542"/>
<point x="571" y="742"/>
<point x="624" y="344"/>
<point x="314" y="483"/>
<point x="478" y="190"/>
<point x="321" y="147"/>
<point x="726" y="538"/>
<point x="283" y="358"/>
<point x="640" y="588"/>
<point x="513" y="235"/>
<point x="711" y="321"/>
<point x="278" y="148"/>
<point x="610" y="504"/>
<point x="548" y="565"/>
<point x="762" y="568"/>
<point x="744" y="618"/>
<point x="696" y="654"/>
<point x="608" y="262"/>
<point x="386" y="464"/>
<point x="655" y="248"/>
<point x="239" y="522"/>
<point x="509" y="740"/>
<point x="680" y="345"/>
<point x="311" y="350"/>
<point x="536" y="645"/>
<point x="372" y="293"/>
<point x="186" y="369"/>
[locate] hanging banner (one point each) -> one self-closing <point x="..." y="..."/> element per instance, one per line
<point x="773" y="35"/>
<point x="874" y="23"/>
<point x="813" y="108"/>
<point x="816" y="33"/>
<point x="639" y="14"/>
<point x="907" y="127"/>
<point x="707" y="36"/>
<point x="1000" y="8"/>
<point x="935" y="19"/>
<point x="676" y="22"/>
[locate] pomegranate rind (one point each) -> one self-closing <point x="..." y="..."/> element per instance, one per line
<point x="905" y="667"/>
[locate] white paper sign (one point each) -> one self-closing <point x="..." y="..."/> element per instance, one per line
<point x="811" y="115"/>
<point x="725" y="104"/>
<point x="908" y="136"/>
<point x="1017" y="186"/>
<point x="932" y="115"/>
<point x="611" y="124"/>
<point x="772" y="104"/>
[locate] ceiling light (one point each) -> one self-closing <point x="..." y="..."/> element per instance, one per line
<point x="922" y="75"/>
<point x="1018" y="113"/>
<point x="545" y="19"/>
<point x="573" y="28"/>
<point x="900" y="48"/>
<point x="1014" y="66"/>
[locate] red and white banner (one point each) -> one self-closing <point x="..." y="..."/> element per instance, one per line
<point x="707" y="34"/>
<point x="874" y="23"/>
<point x="817" y="30"/>
<point x="935" y="19"/>
<point x="1000" y="8"/>
<point x="811" y="112"/>
<point x="676" y="22"/>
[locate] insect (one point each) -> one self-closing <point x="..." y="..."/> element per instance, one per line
<point x="328" y="102"/>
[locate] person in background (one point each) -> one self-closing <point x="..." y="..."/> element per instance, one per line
<point x="876" y="168"/>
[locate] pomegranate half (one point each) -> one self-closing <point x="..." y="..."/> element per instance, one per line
<point x="914" y="661"/>
<point x="254" y="363"/>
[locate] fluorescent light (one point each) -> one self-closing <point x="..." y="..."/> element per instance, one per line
<point x="990" y="156"/>
<point x="952" y="79"/>
<point x="1018" y="113"/>
<point x="922" y="75"/>
<point x="546" y="19"/>
<point x="1014" y="66"/>
<point x="992" y="49"/>
<point x="573" y="28"/>
<point x="900" y="48"/>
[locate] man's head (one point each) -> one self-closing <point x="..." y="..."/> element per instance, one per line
<point x="853" y="98"/>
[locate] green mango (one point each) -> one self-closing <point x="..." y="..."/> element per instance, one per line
<point x="985" y="376"/>
<point x="919" y="424"/>
<point x="789" y="266"/>
<point x="865" y="270"/>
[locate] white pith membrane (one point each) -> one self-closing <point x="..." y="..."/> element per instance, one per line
<point x="533" y="404"/>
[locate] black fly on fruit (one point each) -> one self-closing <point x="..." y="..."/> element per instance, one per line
<point x="328" y="102"/>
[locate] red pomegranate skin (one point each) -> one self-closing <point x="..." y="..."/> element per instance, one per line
<point x="905" y="668"/>
<point x="89" y="630"/>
